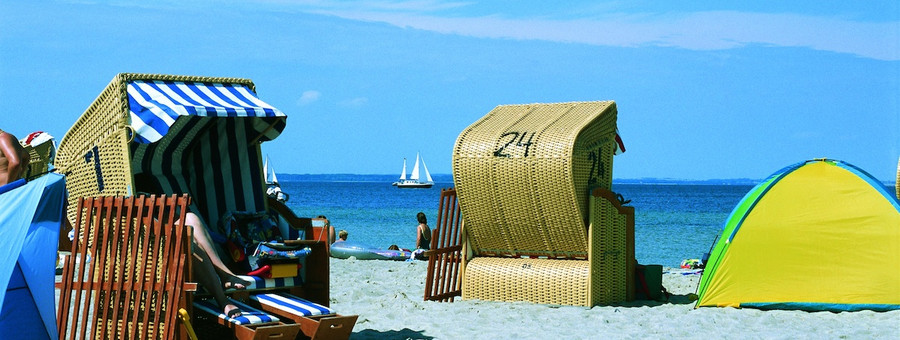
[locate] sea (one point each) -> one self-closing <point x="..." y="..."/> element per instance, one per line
<point x="674" y="220"/>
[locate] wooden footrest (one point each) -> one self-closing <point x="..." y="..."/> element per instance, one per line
<point x="316" y="321"/>
<point x="252" y="324"/>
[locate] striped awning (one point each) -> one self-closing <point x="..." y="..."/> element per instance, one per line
<point x="155" y="105"/>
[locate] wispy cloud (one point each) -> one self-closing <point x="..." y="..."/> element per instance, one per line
<point x="709" y="30"/>
<point x="604" y="25"/>
<point x="308" y="97"/>
<point x="354" y="102"/>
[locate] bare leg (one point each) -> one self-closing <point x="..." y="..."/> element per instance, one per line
<point x="204" y="241"/>
<point x="207" y="277"/>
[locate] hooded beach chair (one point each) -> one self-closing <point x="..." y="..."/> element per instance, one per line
<point x="198" y="136"/>
<point x="538" y="222"/>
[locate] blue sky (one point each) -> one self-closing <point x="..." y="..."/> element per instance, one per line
<point x="705" y="89"/>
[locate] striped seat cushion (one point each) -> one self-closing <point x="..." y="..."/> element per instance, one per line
<point x="291" y="304"/>
<point x="249" y="315"/>
<point x="262" y="283"/>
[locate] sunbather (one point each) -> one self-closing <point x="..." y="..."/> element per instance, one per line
<point x="342" y="236"/>
<point x="423" y="232"/>
<point x="203" y="240"/>
<point x="13" y="158"/>
<point x="209" y="269"/>
<point x="205" y="274"/>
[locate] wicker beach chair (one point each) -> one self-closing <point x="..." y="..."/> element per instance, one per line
<point x="198" y="136"/>
<point x="128" y="273"/>
<point x="897" y="182"/>
<point x="538" y="222"/>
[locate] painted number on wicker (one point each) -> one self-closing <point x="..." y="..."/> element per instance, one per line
<point x="598" y="168"/>
<point x="513" y="137"/>
<point x="94" y="155"/>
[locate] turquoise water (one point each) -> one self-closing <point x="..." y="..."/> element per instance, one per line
<point x="672" y="222"/>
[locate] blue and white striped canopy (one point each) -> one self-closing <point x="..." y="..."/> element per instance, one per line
<point x="155" y="105"/>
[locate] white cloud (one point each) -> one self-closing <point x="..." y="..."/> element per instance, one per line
<point x="713" y="30"/>
<point x="702" y="30"/>
<point x="308" y="97"/>
<point x="355" y="102"/>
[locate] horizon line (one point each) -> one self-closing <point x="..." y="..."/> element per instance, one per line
<point x="656" y="180"/>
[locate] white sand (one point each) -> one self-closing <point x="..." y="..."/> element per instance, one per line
<point x="387" y="296"/>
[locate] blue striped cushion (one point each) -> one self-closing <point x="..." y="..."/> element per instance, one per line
<point x="291" y="304"/>
<point x="261" y="283"/>
<point x="249" y="315"/>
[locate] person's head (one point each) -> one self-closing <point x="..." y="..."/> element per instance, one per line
<point x="342" y="235"/>
<point x="421" y="217"/>
<point x="393" y="247"/>
<point x="327" y="222"/>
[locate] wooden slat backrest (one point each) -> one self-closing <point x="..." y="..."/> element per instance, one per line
<point x="126" y="276"/>
<point x="444" y="260"/>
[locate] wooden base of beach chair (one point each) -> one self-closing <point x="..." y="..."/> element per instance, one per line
<point x="277" y="331"/>
<point x="217" y="327"/>
<point x="333" y="326"/>
<point x="328" y="325"/>
<point x="225" y="330"/>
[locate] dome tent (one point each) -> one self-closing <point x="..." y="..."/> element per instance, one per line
<point x="816" y="235"/>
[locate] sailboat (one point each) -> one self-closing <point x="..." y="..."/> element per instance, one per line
<point x="273" y="189"/>
<point x="413" y="181"/>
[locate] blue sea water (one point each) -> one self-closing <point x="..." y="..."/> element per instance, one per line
<point x="673" y="222"/>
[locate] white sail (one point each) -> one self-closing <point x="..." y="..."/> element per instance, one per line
<point x="415" y="173"/>
<point x="266" y="171"/>
<point x="403" y="174"/>
<point x="274" y="179"/>
<point x="427" y="175"/>
<point x="413" y="181"/>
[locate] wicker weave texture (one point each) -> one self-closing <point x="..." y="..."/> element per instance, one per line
<point x="523" y="174"/>
<point x="611" y="250"/>
<point x="94" y="153"/>
<point x="41" y="157"/>
<point x="545" y="281"/>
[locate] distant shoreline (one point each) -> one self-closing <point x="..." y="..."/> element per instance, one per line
<point x="447" y="178"/>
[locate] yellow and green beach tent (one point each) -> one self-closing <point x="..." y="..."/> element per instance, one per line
<point x="817" y="235"/>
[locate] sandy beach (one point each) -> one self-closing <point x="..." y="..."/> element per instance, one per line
<point x="387" y="296"/>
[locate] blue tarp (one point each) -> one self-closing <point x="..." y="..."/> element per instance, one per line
<point x="30" y="219"/>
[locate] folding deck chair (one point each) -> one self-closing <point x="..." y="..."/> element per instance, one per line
<point x="198" y="136"/>
<point x="126" y="277"/>
<point x="535" y="217"/>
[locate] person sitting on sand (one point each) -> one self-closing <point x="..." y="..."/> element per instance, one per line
<point x="13" y="158"/>
<point x="423" y="232"/>
<point x="342" y="236"/>
<point x="396" y="247"/>
<point x="423" y="238"/>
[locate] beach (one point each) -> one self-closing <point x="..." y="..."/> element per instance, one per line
<point x="388" y="297"/>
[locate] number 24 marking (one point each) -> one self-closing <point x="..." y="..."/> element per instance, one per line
<point x="514" y="137"/>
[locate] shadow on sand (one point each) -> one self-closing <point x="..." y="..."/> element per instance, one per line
<point x="673" y="299"/>
<point x="405" y="333"/>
